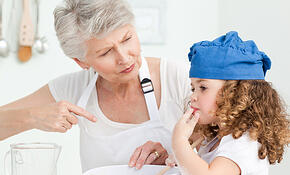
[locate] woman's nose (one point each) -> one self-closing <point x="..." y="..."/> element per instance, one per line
<point x="122" y="57"/>
<point x="123" y="60"/>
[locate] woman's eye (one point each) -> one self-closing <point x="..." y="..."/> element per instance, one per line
<point x="106" y="52"/>
<point x="127" y="39"/>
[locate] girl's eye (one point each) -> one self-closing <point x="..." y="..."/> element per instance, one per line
<point x="203" y="88"/>
<point x="193" y="89"/>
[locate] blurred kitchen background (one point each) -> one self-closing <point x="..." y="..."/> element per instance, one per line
<point x="177" y="24"/>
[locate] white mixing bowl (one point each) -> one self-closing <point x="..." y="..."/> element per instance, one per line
<point x="126" y="170"/>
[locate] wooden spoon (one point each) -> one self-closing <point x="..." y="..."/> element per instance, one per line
<point x="26" y="35"/>
<point x="164" y="170"/>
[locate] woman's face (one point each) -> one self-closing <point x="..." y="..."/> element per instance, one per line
<point x="203" y="98"/>
<point x="116" y="57"/>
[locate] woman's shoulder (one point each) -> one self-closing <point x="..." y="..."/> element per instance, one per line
<point x="175" y="78"/>
<point x="153" y="64"/>
<point x="153" y="60"/>
<point x="177" y="70"/>
<point x="79" y="77"/>
<point x="69" y="86"/>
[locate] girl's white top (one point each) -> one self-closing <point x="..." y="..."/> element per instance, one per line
<point x="243" y="151"/>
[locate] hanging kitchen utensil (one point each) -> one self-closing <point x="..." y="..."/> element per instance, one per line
<point x="15" y="14"/>
<point x="40" y="44"/>
<point x="26" y="36"/>
<point x="4" y="48"/>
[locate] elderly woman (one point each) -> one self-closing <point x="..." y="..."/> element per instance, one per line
<point x="126" y="105"/>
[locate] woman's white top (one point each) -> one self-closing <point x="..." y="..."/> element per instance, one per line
<point x="175" y="88"/>
<point x="243" y="151"/>
<point x="97" y="145"/>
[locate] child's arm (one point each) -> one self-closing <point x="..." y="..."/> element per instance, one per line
<point x="189" y="162"/>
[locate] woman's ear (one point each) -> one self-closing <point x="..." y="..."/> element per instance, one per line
<point x="82" y="64"/>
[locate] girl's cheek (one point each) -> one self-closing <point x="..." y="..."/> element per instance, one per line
<point x="212" y="113"/>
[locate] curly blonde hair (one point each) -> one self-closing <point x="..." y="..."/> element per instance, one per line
<point x="253" y="106"/>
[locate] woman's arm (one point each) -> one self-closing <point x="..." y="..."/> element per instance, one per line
<point x="38" y="111"/>
<point x="16" y="116"/>
<point x="13" y="122"/>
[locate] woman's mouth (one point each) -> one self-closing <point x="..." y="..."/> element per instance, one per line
<point x="129" y="69"/>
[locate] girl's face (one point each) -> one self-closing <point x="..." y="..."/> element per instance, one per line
<point x="203" y="98"/>
<point x="116" y="57"/>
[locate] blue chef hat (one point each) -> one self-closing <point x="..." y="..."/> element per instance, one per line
<point x="228" y="58"/>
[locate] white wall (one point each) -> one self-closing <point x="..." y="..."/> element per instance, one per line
<point x="188" y="21"/>
<point x="20" y="79"/>
<point x="267" y="22"/>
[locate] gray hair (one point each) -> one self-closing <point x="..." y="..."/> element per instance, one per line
<point x="79" y="20"/>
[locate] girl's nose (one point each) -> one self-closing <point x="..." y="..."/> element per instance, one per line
<point x="193" y="97"/>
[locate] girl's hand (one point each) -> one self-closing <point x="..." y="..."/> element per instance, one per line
<point x="186" y="125"/>
<point x="58" y="117"/>
<point x="149" y="153"/>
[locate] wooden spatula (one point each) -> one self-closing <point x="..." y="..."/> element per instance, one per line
<point x="164" y="170"/>
<point x="26" y="35"/>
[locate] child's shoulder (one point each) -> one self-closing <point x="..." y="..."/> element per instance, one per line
<point x="243" y="151"/>
<point x="243" y="143"/>
<point x="245" y="138"/>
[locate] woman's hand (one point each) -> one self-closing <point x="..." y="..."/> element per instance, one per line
<point x="149" y="153"/>
<point x="185" y="126"/>
<point x="58" y="117"/>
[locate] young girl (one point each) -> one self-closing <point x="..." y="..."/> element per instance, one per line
<point x="239" y="114"/>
